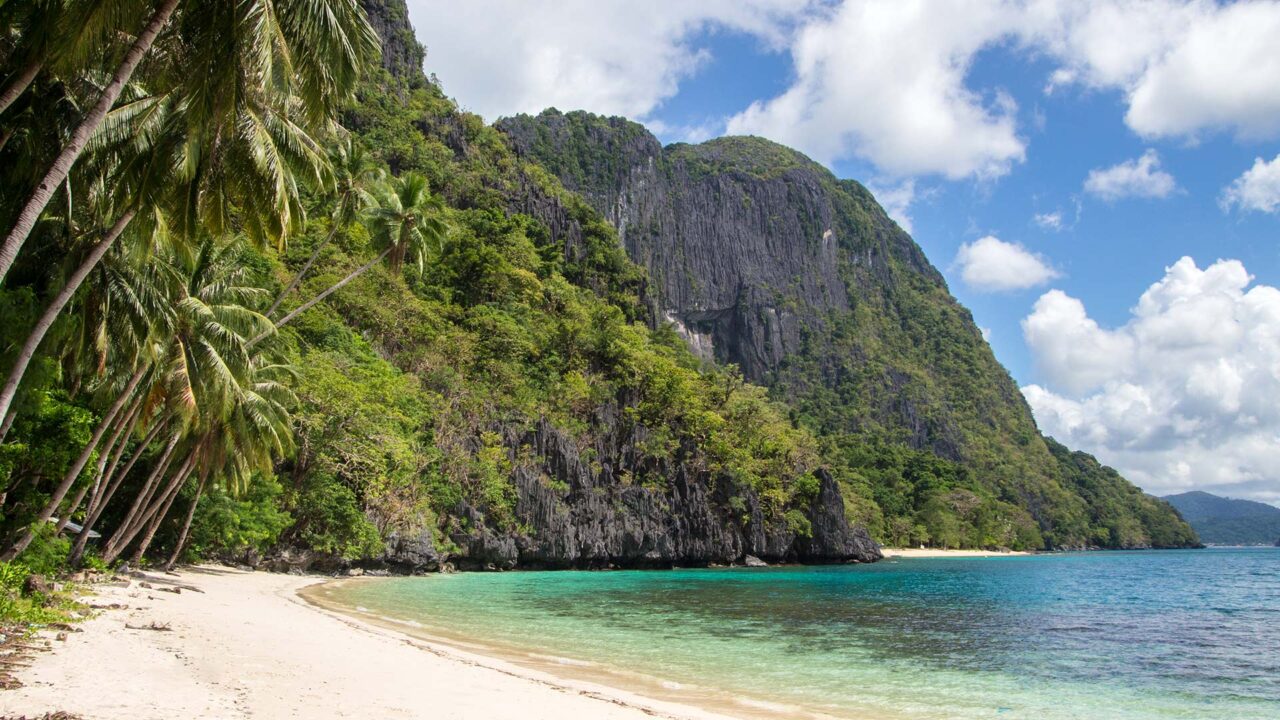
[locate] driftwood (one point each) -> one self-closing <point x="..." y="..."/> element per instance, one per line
<point x="153" y="625"/>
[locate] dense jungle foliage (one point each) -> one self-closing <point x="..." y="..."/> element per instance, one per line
<point x="315" y="316"/>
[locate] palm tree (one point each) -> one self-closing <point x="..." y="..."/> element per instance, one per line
<point x="185" y="157"/>
<point x="406" y="222"/>
<point x="257" y="432"/>
<point x="61" y="168"/>
<point x="310" y="50"/>
<point x="355" y="173"/>
<point x="210" y="367"/>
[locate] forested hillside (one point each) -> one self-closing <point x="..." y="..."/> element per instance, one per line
<point x="1227" y="521"/>
<point x="763" y="259"/>
<point x="336" y="320"/>
<point x="476" y="384"/>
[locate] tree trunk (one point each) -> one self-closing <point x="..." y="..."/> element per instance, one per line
<point x="114" y="447"/>
<point x="110" y="456"/>
<point x="307" y="306"/>
<point x="71" y="508"/>
<point x="125" y="535"/>
<point x="303" y="272"/>
<point x="61" y="167"/>
<point x="5" y="134"/>
<point x="51" y="313"/>
<point x="73" y="473"/>
<point x="21" y="80"/>
<point x="156" y="521"/>
<point x="8" y="423"/>
<point x="186" y="524"/>
<point x="143" y="497"/>
<point x="111" y="482"/>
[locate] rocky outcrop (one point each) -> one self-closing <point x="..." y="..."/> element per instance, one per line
<point x="759" y="257"/>
<point x="402" y="54"/>
<point x="572" y="512"/>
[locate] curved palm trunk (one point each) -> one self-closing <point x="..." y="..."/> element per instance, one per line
<point x="125" y="535"/>
<point x="71" y="508"/>
<point x="51" y="313"/>
<point x="114" y="447"/>
<point x="303" y="272"/>
<point x="61" y="167"/>
<point x="112" y="483"/>
<point x="110" y="456"/>
<point x="307" y="305"/>
<point x="21" y="80"/>
<point x="112" y="546"/>
<point x="185" y="535"/>
<point x="73" y="473"/>
<point x="8" y="423"/>
<point x="156" y="521"/>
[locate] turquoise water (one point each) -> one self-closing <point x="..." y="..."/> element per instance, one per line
<point x="1171" y="634"/>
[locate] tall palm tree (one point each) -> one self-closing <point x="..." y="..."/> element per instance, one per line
<point x="61" y="167"/>
<point x="355" y="175"/>
<point x="250" y="440"/>
<point x="211" y="373"/>
<point x="311" y="50"/>
<point x="208" y="146"/>
<point x="406" y="222"/>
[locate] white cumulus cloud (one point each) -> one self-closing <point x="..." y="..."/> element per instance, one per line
<point x="1184" y="395"/>
<point x="1049" y="220"/>
<point x="885" y="81"/>
<point x="502" y="57"/>
<point x="1257" y="189"/>
<point x="896" y="201"/>
<point x="1140" y="177"/>
<point x="990" y="264"/>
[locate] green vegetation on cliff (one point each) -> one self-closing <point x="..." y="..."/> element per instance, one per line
<point x="245" y="330"/>
<point x="413" y="387"/>
<point x="860" y="338"/>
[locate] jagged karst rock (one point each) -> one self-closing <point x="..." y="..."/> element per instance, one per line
<point x="753" y="561"/>
<point x="574" y="513"/>
<point x="402" y="54"/>
<point x="758" y="257"/>
<point x="411" y="553"/>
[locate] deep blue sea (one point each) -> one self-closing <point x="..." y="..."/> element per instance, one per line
<point x="1163" y="634"/>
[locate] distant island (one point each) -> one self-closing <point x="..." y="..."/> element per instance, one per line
<point x="1226" y="521"/>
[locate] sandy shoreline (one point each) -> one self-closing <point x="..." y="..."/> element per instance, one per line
<point x="936" y="553"/>
<point x="247" y="646"/>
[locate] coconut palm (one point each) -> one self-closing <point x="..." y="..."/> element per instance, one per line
<point x="197" y="152"/>
<point x="406" y="222"/>
<point x="209" y="369"/>
<point x="250" y="440"/>
<point x="61" y="167"/>
<point x="355" y="175"/>
<point x="311" y="50"/>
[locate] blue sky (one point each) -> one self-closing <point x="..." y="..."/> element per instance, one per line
<point x="969" y="120"/>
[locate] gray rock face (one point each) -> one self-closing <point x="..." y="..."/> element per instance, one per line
<point x="759" y="257"/>
<point x="743" y="239"/>
<point x="402" y="54"/>
<point x="582" y="514"/>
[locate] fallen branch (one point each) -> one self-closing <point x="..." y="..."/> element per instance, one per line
<point x="164" y="627"/>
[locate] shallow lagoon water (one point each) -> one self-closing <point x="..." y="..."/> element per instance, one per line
<point x="1141" y="635"/>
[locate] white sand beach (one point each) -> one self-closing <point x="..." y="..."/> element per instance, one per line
<point x="938" y="553"/>
<point x="247" y="646"/>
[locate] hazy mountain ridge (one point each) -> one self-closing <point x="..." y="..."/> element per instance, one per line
<point x="1228" y="521"/>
